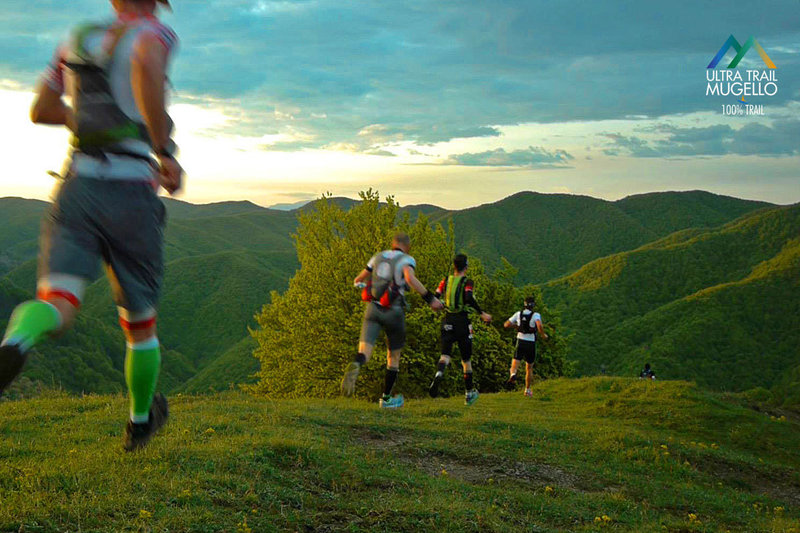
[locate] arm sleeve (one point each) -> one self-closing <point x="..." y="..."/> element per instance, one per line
<point x="536" y="318"/>
<point x="469" y="296"/>
<point x="514" y="319"/>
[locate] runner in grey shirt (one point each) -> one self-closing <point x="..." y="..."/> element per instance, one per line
<point x="385" y="281"/>
<point x="106" y="209"/>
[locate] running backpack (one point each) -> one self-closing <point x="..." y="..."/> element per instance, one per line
<point x="454" y="293"/>
<point x="101" y="123"/>
<point x="525" y="325"/>
<point x="382" y="286"/>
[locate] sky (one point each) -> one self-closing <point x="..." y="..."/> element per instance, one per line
<point x="453" y="103"/>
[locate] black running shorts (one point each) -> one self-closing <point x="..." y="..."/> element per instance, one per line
<point x="525" y="350"/>
<point x="457" y="331"/>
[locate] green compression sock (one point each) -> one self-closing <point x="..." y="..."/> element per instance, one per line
<point x="142" y="363"/>
<point x="31" y="321"/>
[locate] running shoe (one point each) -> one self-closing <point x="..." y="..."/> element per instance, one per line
<point x="471" y="397"/>
<point x="434" y="388"/>
<point x="393" y="402"/>
<point x="529" y="393"/>
<point x="138" y="435"/>
<point x="349" y="380"/>
<point x="11" y="362"/>
<point x="511" y="381"/>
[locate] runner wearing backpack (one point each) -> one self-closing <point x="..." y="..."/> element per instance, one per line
<point x="528" y="323"/>
<point x="385" y="280"/>
<point x="106" y="209"/>
<point x="456" y="328"/>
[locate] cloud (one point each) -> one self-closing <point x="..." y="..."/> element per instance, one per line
<point x="532" y="157"/>
<point x="427" y="72"/>
<point x="780" y="138"/>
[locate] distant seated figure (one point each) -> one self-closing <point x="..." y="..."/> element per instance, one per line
<point x="647" y="373"/>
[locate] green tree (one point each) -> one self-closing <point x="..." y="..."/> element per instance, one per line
<point x="308" y="334"/>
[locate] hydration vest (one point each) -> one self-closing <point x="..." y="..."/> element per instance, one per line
<point x="382" y="286"/>
<point x="101" y="123"/>
<point x="454" y="294"/>
<point x="525" y="325"/>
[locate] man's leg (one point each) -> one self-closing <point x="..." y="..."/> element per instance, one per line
<point x="370" y="329"/>
<point x="392" y="370"/>
<point x="148" y="411"/>
<point x="142" y="361"/>
<point x="528" y="375"/>
<point x="395" y="327"/>
<point x="465" y="348"/>
<point x="512" y="378"/>
<point x="53" y="311"/>
<point x="530" y="360"/>
<point x="446" y="346"/>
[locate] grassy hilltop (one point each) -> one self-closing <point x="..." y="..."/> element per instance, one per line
<point x="595" y="454"/>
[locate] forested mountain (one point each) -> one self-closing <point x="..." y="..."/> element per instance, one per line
<point x="719" y="306"/>
<point x="225" y="258"/>
<point x="550" y="235"/>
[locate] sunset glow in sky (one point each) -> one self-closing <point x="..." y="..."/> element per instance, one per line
<point x="453" y="104"/>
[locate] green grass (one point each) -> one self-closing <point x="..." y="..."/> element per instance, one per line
<point x="645" y="455"/>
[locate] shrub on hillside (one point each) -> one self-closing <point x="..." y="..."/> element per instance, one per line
<point x="308" y="334"/>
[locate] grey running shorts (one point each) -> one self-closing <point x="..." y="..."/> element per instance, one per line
<point x="392" y="320"/>
<point x="118" y="222"/>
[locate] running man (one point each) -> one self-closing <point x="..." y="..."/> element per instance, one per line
<point x="528" y="323"/>
<point x="385" y="279"/>
<point x="107" y="208"/>
<point x="456" y="328"/>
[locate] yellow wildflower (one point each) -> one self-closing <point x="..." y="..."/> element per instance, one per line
<point x="144" y="515"/>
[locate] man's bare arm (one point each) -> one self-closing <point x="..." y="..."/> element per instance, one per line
<point x="541" y="330"/>
<point x="148" y="79"/>
<point x="49" y="108"/>
<point x="414" y="283"/>
<point x="361" y="277"/>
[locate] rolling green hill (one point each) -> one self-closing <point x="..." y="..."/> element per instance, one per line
<point x="581" y="455"/>
<point x="225" y="258"/>
<point x="720" y="306"/>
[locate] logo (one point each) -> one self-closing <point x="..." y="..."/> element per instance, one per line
<point x="740" y="52"/>
<point x="741" y="83"/>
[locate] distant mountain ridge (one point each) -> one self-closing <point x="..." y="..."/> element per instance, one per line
<point x="223" y="260"/>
